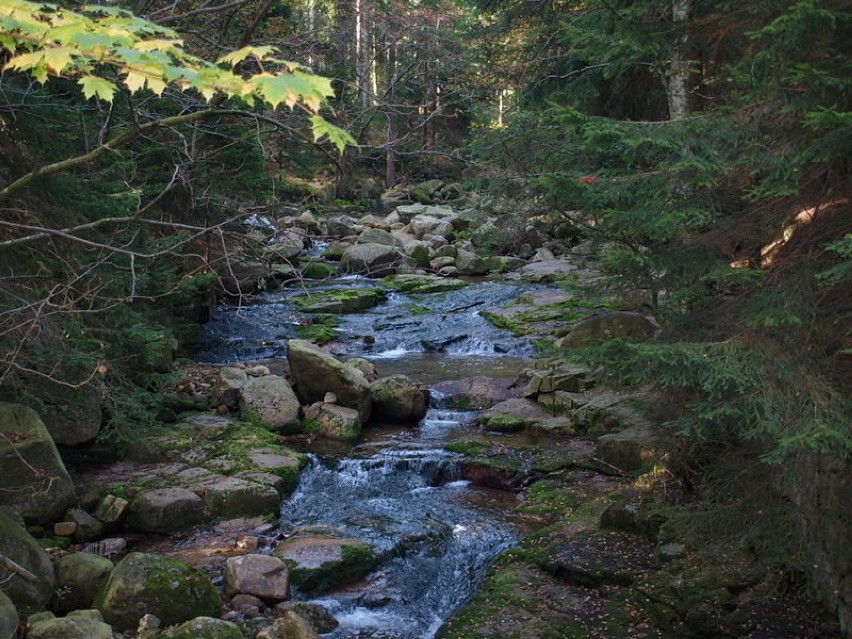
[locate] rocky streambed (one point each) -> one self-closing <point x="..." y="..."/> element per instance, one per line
<point x="415" y="468"/>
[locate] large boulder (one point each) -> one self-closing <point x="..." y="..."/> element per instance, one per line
<point x="317" y="373"/>
<point x="165" y="510"/>
<point x="262" y="576"/>
<point x="628" y="325"/>
<point x="469" y="263"/>
<point x="29" y="581"/>
<point x="33" y="479"/>
<point x="78" y="577"/>
<point x="271" y="400"/>
<point x="628" y="451"/>
<point x="320" y="562"/>
<point x="71" y="627"/>
<point x="376" y="260"/>
<point x="170" y="590"/>
<point x="8" y="617"/>
<point x="398" y="400"/>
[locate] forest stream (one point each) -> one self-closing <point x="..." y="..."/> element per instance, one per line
<point x="398" y="489"/>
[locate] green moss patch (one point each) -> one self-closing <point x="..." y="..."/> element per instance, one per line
<point x="350" y="300"/>
<point x="422" y="284"/>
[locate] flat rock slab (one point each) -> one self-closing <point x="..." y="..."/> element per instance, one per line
<point x="548" y="270"/>
<point x="474" y="393"/>
<point x="320" y="562"/>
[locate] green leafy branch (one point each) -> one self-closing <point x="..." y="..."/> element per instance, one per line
<point x="107" y="48"/>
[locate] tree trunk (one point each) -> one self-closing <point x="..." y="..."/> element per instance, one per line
<point x="390" y="152"/>
<point x="678" y="76"/>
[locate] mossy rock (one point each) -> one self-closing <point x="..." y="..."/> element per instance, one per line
<point x="319" y="562"/>
<point x="8" y="617"/>
<point x="422" y="284"/>
<point x="350" y="300"/>
<point x="205" y="628"/>
<point x="318" y="270"/>
<point x="505" y="423"/>
<point x="166" y="588"/>
<point x="78" y="577"/>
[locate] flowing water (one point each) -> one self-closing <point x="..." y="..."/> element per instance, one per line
<point x="398" y="490"/>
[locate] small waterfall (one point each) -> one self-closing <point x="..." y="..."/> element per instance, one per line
<point x="407" y="501"/>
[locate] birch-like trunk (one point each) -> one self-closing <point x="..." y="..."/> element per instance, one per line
<point x="363" y="53"/>
<point x="678" y="75"/>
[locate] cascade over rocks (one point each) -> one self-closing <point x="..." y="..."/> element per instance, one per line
<point x="150" y="584"/>
<point x="316" y="372"/>
<point x="33" y="478"/>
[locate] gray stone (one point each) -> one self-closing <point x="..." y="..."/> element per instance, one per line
<point x="78" y="577"/>
<point x="340" y="227"/>
<point x="317" y="373"/>
<point x="229" y="383"/>
<point x="8" y="617"/>
<point x="73" y="627"/>
<point x="31" y="587"/>
<point x="259" y="575"/>
<point x="475" y="393"/>
<point x="270" y="400"/>
<point x="469" y="263"/>
<point x="112" y="510"/>
<point x="408" y="212"/>
<point x="291" y="626"/>
<point x="630" y="450"/>
<point x="33" y="478"/>
<point x="398" y="400"/>
<point x="549" y="271"/>
<point x="169" y="589"/>
<point x="165" y="510"/>
<point x="285" y="249"/>
<point x="230" y="497"/>
<point x="87" y="527"/>
<point x="379" y="236"/>
<point x="206" y="628"/>
<point x="73" y="416"/>
<point x="424" y="225"/>
<point x="439" y="263"/>
<point x="335" y="422"/>
<point x="375" y="260"/>
<point x="320" y="562"/>
<point x="611" y="325"/>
